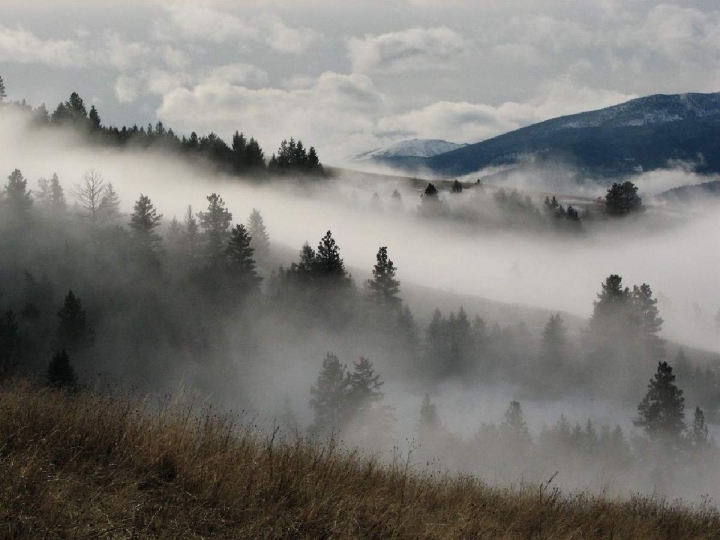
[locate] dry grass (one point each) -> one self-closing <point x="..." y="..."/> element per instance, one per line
<point x="83" y="466"/>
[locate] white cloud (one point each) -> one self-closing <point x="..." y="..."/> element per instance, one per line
<point x="237" y="74"/>
<point x="412" y="49"/>
<point x="335" y="113"/>
<point x="201" y="22"/>
<point x="22" y="46"/>
<point x="472" y="122"/>
<point x="127" y="89"/>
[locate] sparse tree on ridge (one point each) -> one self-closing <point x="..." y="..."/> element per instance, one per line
<point x="384" y="288"/>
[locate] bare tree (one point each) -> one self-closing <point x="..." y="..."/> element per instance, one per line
<point x="89" y="194"/>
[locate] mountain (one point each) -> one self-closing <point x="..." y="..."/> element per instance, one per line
<point x="411" y="148"/>
<point x="704" y="191"/>
<point x="639" y="135"/>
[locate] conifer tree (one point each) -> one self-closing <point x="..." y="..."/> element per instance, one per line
<point x="17" y="197"/>
<point x="240" y="261"/>
<point x="384" y="288"/>
<point x="215" y="222"/>
<point x="698" y="432"/>
<point x="622" y="199"/>
<point x="258" y="233"/>
<point x="9" y="340"/>
<point x="647" y="319"/>
<point x="363" y="387"/>
<point x="429" y="418"/>
<point x="662" y="410"/>
<point x="143" y="222"/>
<point x="514" y="422"/>
<point x="328" y="262"/>
<point x="192" y="229"/>
<point x="94" y="117"/>
<point x="329" y="396"/>
<point x="175" y="238"/>
<point x="457" y="187"/>
<point x="73" y="329"/>
<point x="554" y="343"/>
<point x="109" y="208"/>
<point x="3" y="95"/>
<point x="60" y="373"/>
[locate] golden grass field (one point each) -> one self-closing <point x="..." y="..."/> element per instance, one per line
<point x="85" y="466"/>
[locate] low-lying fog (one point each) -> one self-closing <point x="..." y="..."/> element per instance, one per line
<point x="677" y="252"/>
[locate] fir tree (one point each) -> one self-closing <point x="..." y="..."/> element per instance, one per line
<point x="457" y="187"/>
<point x="143" y="222"/>
<point x="328" y="262"/>
<point x="384" y="288"/>
<point x="363" y="387"/>
<point x="429" y="418"/>
<point x="698" y="431"/>
<point x="514" y="422"/>
<point x="3" y="95"/>
<point x="240" y="261"/>
<point x="662" y="410"/>
<point x="647" y="319"/>
<point x="215" y="222"/>
<point x="258" y="233"/>
<point x="73" y="330"/>
<point x="192" y="229"/>
<point x="622" y="199"/>
<point x="554" y="343"/>
<point x="329" y="396"/>
<point x="94" y="118"/>
<point x="17" y="197"/>
<point x="60" y="373"/>
<point x="109" y="208"/>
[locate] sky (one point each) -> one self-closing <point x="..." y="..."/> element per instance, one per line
<point x="348" y="76"/>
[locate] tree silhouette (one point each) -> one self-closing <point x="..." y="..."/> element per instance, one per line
<point x="258" y="233"/>
<point x="514" y="422"/>
<point x="17" y="197"/>
<point x="216" y="222"/>
<point x="329" y="396"/>
<point x="662" y="410"/>
<point x="698" y="431"/>
<point x="384" y="288"/>
<point x="241" y="265"/>
<point x="429" y="417"/>
<point x="89" y="195"/>
<point x="60" y="374"/>
<point x="73" y="329"/>
<point x="143" y="222"/>
<point x="109" y="209"/>
<point x="3" y="95"/>
<point x="622" y="199"/>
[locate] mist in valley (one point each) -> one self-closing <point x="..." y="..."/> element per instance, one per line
<point x="490" y="396"/>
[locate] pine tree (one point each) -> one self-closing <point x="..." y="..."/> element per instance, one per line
<point x="258" y="233"/>
<point x="175" y="237"/>
<point x="17" y="197"/>
<point x="94" y="118"/>
<point x="622" y="199"/>
<point x="648" y="320"/>
<point x="363" y="388"/>
<point x="73" y="329"/>
<point x="662" y="410"/>
<point x="56" y="196"/>
<point x="457" y="187"/>
<point x="329" y="396"/>
<point x="9" y="340"/>
<point x="109" y="208"/>
<point x="60" y="373"/>
<point x="384" y="288"/>
<point x="698" y="432"/>
<point x="240" y="261"/>
<point x="143" y="222"/>
<point x="514" y="422"/>
<point x="554" y="344"/>
<point x="3" y="95"/>
<point x="328" y="263"/>
<point x="215" y="222"/>
<point x="429" y="418"/>
<point x="192" y="229"/>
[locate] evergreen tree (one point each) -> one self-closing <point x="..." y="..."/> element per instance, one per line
<point x="430" y="193"/>
<point x="384" y="288"/>
<point x="241" y="265"/>
<point x="109" y="208"/>
<point x="554" y="344"/>
<point x="143" y="222"/>
<point x="698" y="432"/>
<point x="363" y="388"/>
<point x="94" y="118"/>
<point x="60" y="373"/>
<point x="73" y="329"/>
<point x="514" y="422"/>
<point x="429" y="417"/>
<point x="662" y="410"/>
<point x="647" y="319"/>
<point x="17" y="197"/>
<point x="215" y="222"/>
<point x="329" y="396"/>
<point x="258" y="233"/>
<point x="457" y="187"/>
<point x="328" y="262"/>
<point x="192" y="229"/>
<point x="175" y="237"/>
<point x="622" y="199"/>
<point x="3" y="95"/>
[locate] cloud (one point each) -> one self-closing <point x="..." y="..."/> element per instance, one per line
<point x="204" y="23"/>
<point x="334" y="113"/>
<point x="412" y="49"/>
<point x="472" y="122"/>
<point x="237" y="74"/>
<point x="22" y="46"/>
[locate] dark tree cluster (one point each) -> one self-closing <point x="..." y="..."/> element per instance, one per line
<point x="243" y="156"/>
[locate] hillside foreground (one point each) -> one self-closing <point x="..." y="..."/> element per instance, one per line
<point x="85" y="466"/>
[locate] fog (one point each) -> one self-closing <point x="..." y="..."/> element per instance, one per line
<point x="674" y="249"/>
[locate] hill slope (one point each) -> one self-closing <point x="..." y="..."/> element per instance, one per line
<point x="642" y="134"/>
<point x="422" y="148"/>
<point x="82" y="466"/>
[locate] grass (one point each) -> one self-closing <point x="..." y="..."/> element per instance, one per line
<point x="86" y="466"/>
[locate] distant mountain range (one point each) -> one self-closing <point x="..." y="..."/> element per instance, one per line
<point x="639" y="135"/>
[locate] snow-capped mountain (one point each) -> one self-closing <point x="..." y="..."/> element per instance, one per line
<point x="639" y="135"/>
<point x="422" y="148"/>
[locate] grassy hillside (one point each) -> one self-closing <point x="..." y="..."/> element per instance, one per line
<point x="83" y="466"/>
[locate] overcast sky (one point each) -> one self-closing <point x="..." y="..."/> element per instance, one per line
<point x="349" y="76"/>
